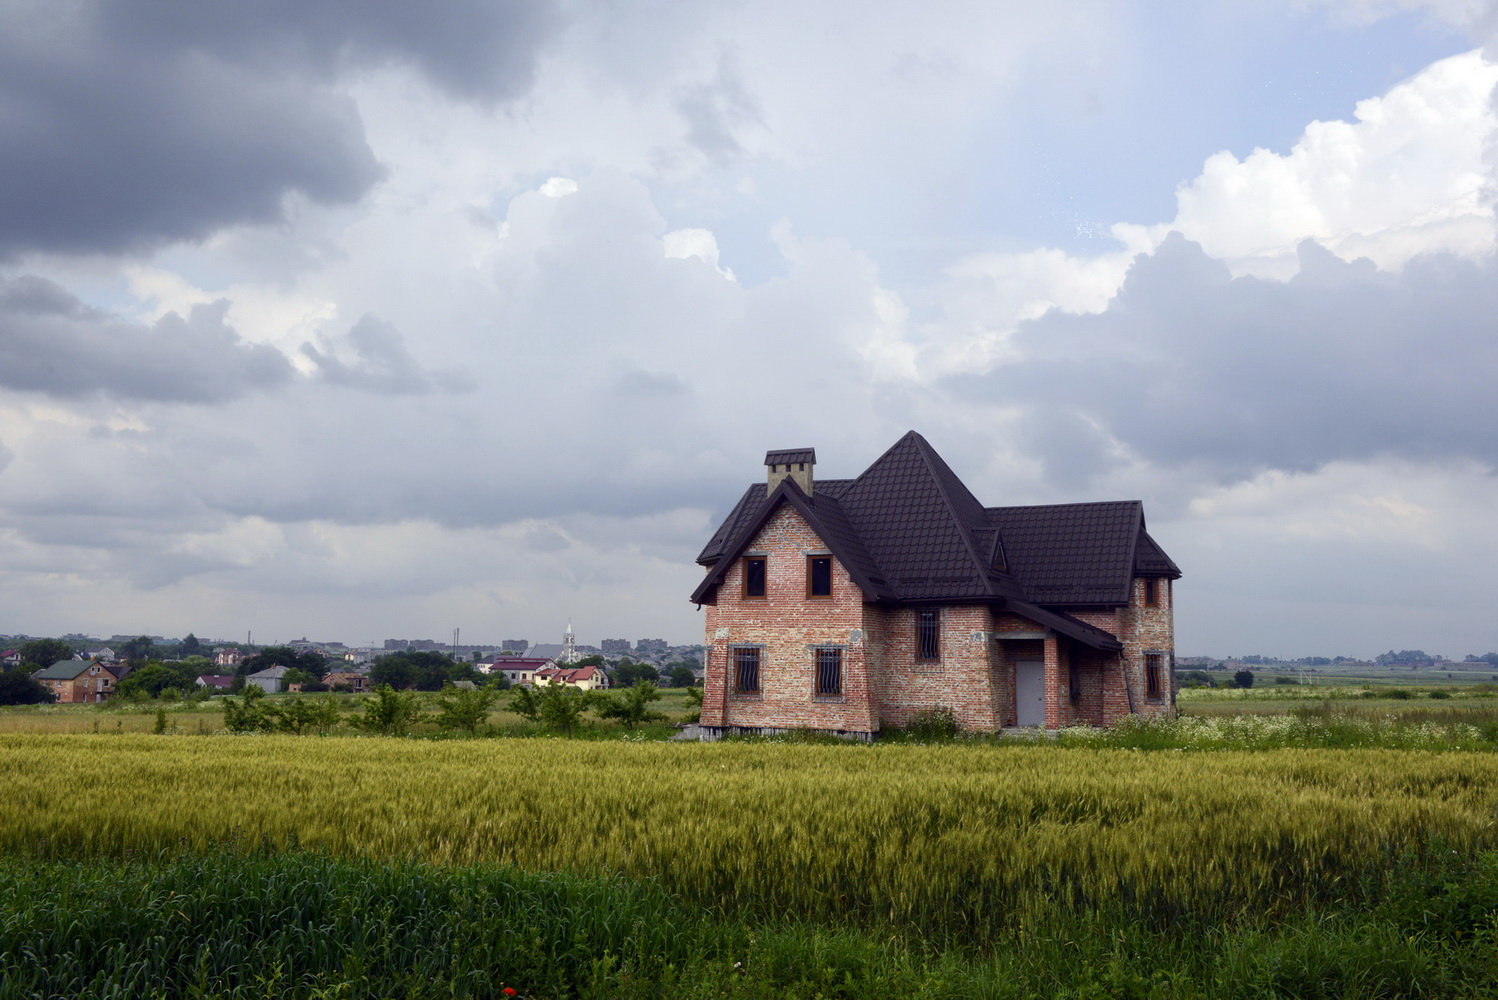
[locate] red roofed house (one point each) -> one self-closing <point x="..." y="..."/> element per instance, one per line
<point x="851" y="605"/>
<point x="587" y="678"/>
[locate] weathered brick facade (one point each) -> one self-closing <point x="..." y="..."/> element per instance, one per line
<point x="884" y="684"/>
<point x="853" y="605"/>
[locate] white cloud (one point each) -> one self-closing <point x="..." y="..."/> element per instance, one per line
<point x="558" y="187"/>
<point x="1407" y="177"/>
<point x="681" y="244"/>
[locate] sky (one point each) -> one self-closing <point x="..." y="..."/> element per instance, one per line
<point x="358" y="321"/>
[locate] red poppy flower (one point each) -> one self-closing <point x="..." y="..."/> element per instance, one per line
<point x="509" y="991"/>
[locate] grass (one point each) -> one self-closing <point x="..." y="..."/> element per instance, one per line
<point x="1274" y="847"/>
<point x="293" y="924"/>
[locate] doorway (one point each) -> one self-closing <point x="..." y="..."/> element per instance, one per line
<point x="1029" y="692"/>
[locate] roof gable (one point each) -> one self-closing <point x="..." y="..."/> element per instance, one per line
<point x="824" y="514"/>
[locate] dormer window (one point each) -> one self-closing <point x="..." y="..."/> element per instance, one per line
<point x="754" y="576"/>
<point x="818" y="576"/>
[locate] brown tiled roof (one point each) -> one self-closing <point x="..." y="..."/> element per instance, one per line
<point x="908" y="530"/>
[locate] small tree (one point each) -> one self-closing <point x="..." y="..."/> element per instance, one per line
<point x="297" y="715"/>
<point x="389" y="712"/>
<point x="465" y="708"/>
<point x="524" y="703"/>
<point x="561" y="707"/>
<point x="249" y="713"/>
<point x="632" y="705"/>
<point x="1243" y="679"/>
<point x="682" y="676"/>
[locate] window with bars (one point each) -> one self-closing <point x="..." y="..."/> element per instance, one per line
<point x="754" y="576"/>
<point x="928" y="635"/>
<point x="829" y="672"/>
<point x="746" y="670"/>
<point x="818" y="576"/>
<point x="1153" y="664"/>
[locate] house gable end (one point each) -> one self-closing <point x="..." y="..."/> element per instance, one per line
<point x="825" y="517"/>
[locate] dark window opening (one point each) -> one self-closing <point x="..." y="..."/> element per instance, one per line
<point x="818" y="576"/>
<point x="754" y="576"/>
<point x="928" y="636"/>
<point x="1152" y="664"/>
<point x="829" y="672"/>
<point x="746" y="670"/>
<point x="1071" y="682"/>
<point x="1151" y="592"/>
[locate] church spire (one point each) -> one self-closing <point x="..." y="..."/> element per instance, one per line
<point x="569" y="645"/>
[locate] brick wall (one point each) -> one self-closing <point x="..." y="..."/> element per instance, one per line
<point x="788" y="626"/>
<point x="964" y="677"/>
<point x="1145" y="630"/>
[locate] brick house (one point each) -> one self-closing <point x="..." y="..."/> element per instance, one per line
<point x="353" y="680"/>
<point x="850" y="605"/>
<point x="77" y="681"/>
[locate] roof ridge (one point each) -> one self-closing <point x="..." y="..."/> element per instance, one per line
<point x="1074" y="503"/>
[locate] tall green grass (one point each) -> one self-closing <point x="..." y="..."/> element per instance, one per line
<point x="296" y="925"/>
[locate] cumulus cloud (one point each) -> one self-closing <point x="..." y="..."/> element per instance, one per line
<point x="128" y="123"/>
<point x="1407" y="177"/>
<point x="52" y="343"/>
<point x="1190" y="364"/>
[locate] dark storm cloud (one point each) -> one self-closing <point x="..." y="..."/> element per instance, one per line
<point x="52" y="343"/>
<point x="125" y="123"/>
<point x="1191" y="365"/>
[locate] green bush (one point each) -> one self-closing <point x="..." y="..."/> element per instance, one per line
<point x="939" y="723"/>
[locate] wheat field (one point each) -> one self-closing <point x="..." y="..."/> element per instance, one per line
<point x="954" y="837"/>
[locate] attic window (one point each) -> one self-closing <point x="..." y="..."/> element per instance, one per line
<point x="1151" y="592"/>
<point x="818" y="576"/>
<point x="754" y="576"/>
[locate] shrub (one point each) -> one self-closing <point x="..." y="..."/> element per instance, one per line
<point x="389" y="712"/>
<point x="630" y="706"/>
<point x="17" y="687"/>
<point x="939" y="723"/>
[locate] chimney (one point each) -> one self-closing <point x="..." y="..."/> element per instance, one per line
<point x="793" y="463"/>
